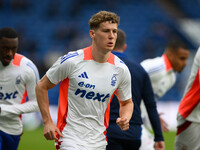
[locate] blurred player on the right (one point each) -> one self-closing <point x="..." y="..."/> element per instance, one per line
<point x="162" y="72"/>
<point x="188" y="117"/>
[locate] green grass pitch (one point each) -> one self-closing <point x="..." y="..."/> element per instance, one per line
<point x="34" y="140"/>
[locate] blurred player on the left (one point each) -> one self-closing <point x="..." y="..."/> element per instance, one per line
<point x="18" y="78"/>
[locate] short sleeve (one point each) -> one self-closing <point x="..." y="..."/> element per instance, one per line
<point x="124" y="90"/>
<point x="62" y="68"/>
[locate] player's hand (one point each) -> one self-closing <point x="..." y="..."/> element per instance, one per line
<point x="160" y="145"/>
<point x="123" y="123"/>
<point x="50" y="131"/>
<point x="163" y="123"/>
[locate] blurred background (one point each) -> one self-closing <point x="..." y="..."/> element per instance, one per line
<point x="51" y="28"/>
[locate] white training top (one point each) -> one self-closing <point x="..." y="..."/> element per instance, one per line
<point x="161" y="74"/>
<point x="17" y="81"/>
<point x="189" y="108"/>
<point x="85" y="92"/>
<point x="162" y="78"/>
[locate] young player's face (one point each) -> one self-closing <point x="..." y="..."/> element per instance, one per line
<point x="105" y="36"/>
<point x="179" y="60"/>
<point x="8" y="48"/>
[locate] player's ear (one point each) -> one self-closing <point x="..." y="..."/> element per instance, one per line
<point x="91" y="33"/>
<point x="125" y="46"/>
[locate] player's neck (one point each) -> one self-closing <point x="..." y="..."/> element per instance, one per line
<point x="100" y="55"/>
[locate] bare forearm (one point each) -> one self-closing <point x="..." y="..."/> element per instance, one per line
<point x="43" y="103"/>
<point x="126" y="109"/>
<point x="125" y="114"/>
<point x="42" y="88"/>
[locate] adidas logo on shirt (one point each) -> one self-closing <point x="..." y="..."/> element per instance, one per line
<point x="83" y="75"/>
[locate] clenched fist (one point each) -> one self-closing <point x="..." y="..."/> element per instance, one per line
<point x="123" y="123"/>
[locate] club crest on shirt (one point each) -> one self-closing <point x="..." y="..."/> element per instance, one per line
<point x="18" y="79"/>
<point x="113" y="80"/>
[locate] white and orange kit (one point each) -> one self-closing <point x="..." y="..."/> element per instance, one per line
<point x="188" y="117"/>
<point x="85" y="92"/>
<point x="162" y="78"/>
<point x="17" y="81"/>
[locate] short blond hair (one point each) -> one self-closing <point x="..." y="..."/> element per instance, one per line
<point x="103" y="16"/>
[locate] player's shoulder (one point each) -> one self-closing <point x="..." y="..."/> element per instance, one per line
<point x="156" y="63"/>
<point x="26" y="60"/>
<point x="156" y="60"/>
<point x="119" y="62"/>
<point x="21" y="60"/>
<point x="72" y="56"/>
<point x="26" y="65"/>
